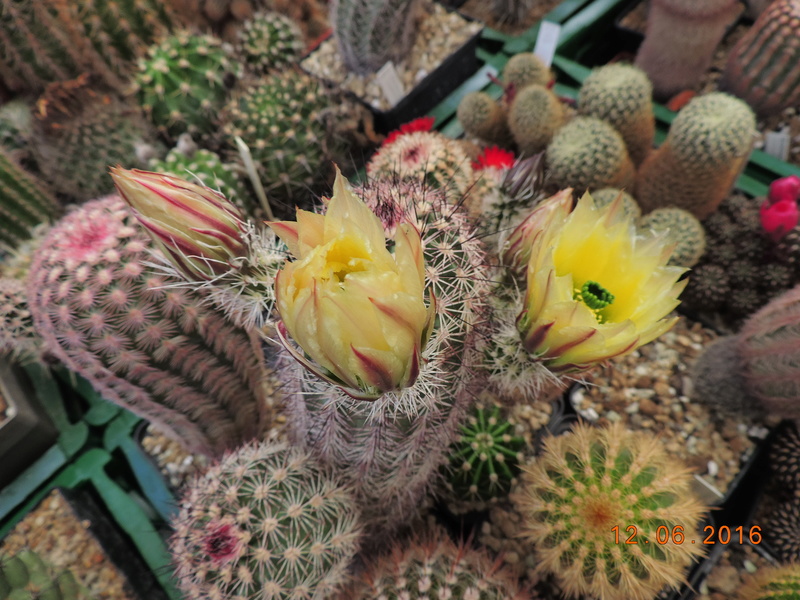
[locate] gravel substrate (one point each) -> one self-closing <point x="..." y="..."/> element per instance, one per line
<point x="480" y="10"/>
<point x="54" y="532"/>
<point x="731" y="572"/>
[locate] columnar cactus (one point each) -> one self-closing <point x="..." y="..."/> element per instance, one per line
<point x="432" y="567"/>
<point x="184" y="81"/>
<point x="621" y="94"/>
<point x="24" y="203"/>
<point x="589" y="153"/>
<point x="269" y="40"/>
<point x="707" y="146"/>
<point x="25" y="576"/>
<point x="680" y="41"/>
<point x="369" y="33"/>
<point x="535" y="115"/>
<point x="685" y="231"/>
<point x="153" y="348"/>
<point x="772" y="583"/>
<point x="763" y="68"/>
<point x="769" y="350"/>
<point x="589" y="491"/>
<point x="78" y="123"/>
<point x="267" y="521"/>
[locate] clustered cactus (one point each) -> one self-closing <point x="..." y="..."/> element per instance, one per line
<point x="25" y="576"/>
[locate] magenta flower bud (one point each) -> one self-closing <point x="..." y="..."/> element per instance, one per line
<point x="197" y="228"/>
<point x="779" y="218"/>
<point x="785" y="188"/>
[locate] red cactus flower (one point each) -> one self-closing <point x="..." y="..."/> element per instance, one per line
<point x="221" y="544"/>
<point x="785" y="188"/>
<point x="779" y="218"/>
<point x="420" y="124"/>
<point x="494" y="157"/>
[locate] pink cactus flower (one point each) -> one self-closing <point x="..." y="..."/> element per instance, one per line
<point x="779" y="218"/>
<point x="785" y="188"/>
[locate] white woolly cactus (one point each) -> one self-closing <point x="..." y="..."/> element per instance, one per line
<point x="266" y="522"/>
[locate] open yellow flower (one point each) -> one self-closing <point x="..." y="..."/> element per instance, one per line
<point x="595" y="290"/>
<point x="355" y="308"/>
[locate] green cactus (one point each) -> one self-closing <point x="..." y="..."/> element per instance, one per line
<point x="773" y="583"/>
<point x="621" y="94"/>
<point x="763" y="68"/>
<point x="685" y="231"/>
<point x="588" y="491"/>
<point x="526" y="69"/>
<point x="484" y="461"/>
<point x="140" y="340"/>
<point x="432" y="567"/>
<point x="77" y="123"/>
<point x="267" y="521"/>
<point x="283" y="120"/>
<point x="24" y="203"/>
<point x="707" y="146"/>
<point x="370" y="33"/>
<point x="269" y="40"/>
<point x="18" y="337"/>
<point x="589" y="153"/>
<point x="483" y="117"/>
<point x="25" y="576"/>
<point x="535" y="115"/>
<point x="605" y="196"/>
<point x="183" y="82"/>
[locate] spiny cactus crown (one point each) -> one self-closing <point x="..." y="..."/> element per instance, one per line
<point x="591" y="480"/>
<point x="269" y="40"/>
<point x="526" y="69"/>
<point x="267" y="521"/>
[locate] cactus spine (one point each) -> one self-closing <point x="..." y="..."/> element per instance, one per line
<point x="25" y="576"/>
<point x="370" y="33"/>
<point x="774" y="583"/>
<point x="769" y="351"/>
<point x="706" y="148"/>
<point x="23" y="202"/>
<point x="590" y="480"/>
<point x="267" y="521"/>
<point x="763" y="69"/>
<point x="152" y="348"/>
<point x="680" y="41"/>
<point x="526" y="69"/>
<point x="621" y="94"/>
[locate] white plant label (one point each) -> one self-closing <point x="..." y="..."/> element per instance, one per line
<point x="777" y="143"/>
<point x="390" y="84"/>
<point x="546" y="41"/>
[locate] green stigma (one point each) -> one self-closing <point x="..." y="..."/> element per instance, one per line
<point x="595" y="296"/>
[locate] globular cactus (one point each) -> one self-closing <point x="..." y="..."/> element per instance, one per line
<point x="709" y="288"/>
<point x="707" y="146"/>
<point x="370" y="33"/>
<point x="588" y="153"/>
<point x="784" y="457"/>
<point x="680" y="41"/>
<point x="25" y="576"/>
<point x="622" y="95"/>
<point x="431" y="567"/>
<point x="782" y="530"/>
<point x="685" y="231"/>
<point x="773" y="583"/>
<point x="605" y="196"/>
<point x="483" y="117"/>
<point x="763" y="68"/>
<point x="18" y="337"/>
<point x="265" y="522"/>
<point x="535" y="115"/>
<point x="184" y="81"/>
<point x="156" y="349"/>
<point x="590" y="481"/>
<point x="484" y="461"/>
<point x="269" y="40"/>
<point x="526" y="69"/>
<point x="77" y="122"/>
<point x="283" y="120"/>
<point x="769" y="350"/>
<point x="24" y="202"/>
<point x="42" y="41"/>
<point x="426" y="156"/>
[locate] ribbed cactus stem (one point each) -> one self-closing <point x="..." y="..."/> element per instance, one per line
<point x="23" y="202"/>
<point x="680" y="41"/>
<point x="26" y="576"/>
<point x="139" y="340"/>
<point x="764" y="67"/>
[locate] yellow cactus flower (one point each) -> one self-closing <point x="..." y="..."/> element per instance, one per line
<point x="356" y="309"/>
<point x="595" y="289"/>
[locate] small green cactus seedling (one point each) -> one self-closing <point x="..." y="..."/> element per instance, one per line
<point x="483" y="117"/>
<point x="605" y="196"/>
<point x="585" y="494"/>
<point x="685" y="231"/>
<point x="485" y="459"/>
<point x="588" y="153"/>
<point x="526" y="69"/>
<point x="773" y="583"/>
<point x="534" y="117"/>
<point x="266" y="522"/>
<point x="269" y="40"/>
<point x="25" y="576"/>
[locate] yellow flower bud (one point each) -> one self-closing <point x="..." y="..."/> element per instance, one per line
<point x="355" y="308"/>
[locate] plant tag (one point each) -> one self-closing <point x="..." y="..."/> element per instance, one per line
<point x="777" y="144"/>
<point x="390" y="84"/>
<point x="546" y="41"/>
